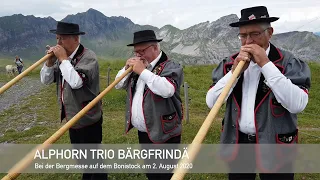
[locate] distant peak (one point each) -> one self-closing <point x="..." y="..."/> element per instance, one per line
<point x="49" y="17"/>
<point x="169" y="26"/>
<point x="230" y="17"/>
<point x="17" y="15"/>
<point x="90" y="13"/>
<point x="92" y="10"/>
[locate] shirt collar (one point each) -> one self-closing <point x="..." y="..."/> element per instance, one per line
<point x="74" y="52"/>
<point x="155" y="61"/>
<point x="268" y="50"/>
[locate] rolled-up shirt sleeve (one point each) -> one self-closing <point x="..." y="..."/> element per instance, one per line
<point x="122" y="83"/>
<point x="47" y="74"/>
<point x="214" y="92"/>
<point x="157" y="84"/>
<point x="70" y="75"/>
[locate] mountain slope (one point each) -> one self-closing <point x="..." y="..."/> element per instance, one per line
<point x="106" y="35"/>
<point x="304" y="45"/>
<point x="203" y="43"/>
<point x="210" y="42"/>
<point x="25" y="35"/>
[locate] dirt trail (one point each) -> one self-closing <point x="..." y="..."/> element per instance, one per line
<point x="16" y="93"/>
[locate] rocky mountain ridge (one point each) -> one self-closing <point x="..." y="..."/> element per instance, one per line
<point x="203" y="43"/>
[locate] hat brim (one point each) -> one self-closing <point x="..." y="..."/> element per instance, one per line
<point x="240" y="23"/>
<point x="54" y="31"/>
<point x="140" y="42"/>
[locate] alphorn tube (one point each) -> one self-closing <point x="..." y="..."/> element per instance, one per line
<point x="194" y="147"/>
<point x="26" y="161"/>
<point x="24" y="73"/>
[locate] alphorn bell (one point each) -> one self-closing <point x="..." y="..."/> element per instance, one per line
<point x="26" y="161"/>
<point x="24" y="73"/>
<point x="194" y="147"/>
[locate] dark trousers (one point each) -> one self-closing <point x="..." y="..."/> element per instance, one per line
<point x="19" y="69"/>
<point x="91" y="134"/>
<point x="245" y="139"/>
<point x="144" y="139"/>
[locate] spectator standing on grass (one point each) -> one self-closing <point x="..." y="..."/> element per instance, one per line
<point x="19" y="63"/>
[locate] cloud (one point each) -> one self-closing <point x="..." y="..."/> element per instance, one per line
<point x="294" y="14"/>
<point x="36" y="7"/>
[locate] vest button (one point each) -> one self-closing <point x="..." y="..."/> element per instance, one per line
<point x="235" y="109"/>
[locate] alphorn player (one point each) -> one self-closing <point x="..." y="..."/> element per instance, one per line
<point x="75" y="70"/>
<point x="262" y="106"/>
<point x="153" y="94"/>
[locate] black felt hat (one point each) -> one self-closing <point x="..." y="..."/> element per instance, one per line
<point x="143" y="37"/>
<point x="65" y="28"/>
<point x="252" y="15"/>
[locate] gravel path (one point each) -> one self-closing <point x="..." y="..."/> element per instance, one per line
<point x="24" y="88"/>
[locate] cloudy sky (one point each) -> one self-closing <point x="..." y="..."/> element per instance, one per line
<point x="295" y="15"/>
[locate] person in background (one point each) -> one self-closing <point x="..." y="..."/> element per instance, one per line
<point x="19" y="63"/>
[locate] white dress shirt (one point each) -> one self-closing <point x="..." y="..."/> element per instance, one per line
<point x="69" y="74"/>
<point x="290" y="96"/>
<point x="158" y="85"/>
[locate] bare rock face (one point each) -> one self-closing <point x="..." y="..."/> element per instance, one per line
<point x="304" y="45"/>
<point x="209" y="43"/>
<point x="203" y="43"/>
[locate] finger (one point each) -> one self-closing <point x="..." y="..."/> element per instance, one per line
<point x="137" y="58"/>
<point x="244" y="53"/>
<point x="132" y="59"/>
<point x="51" y="49"/>
<point x="246" y="58"/>
<point x="128" y="61"/>
<point x="131" y="63"/>
<point x="251" y="46"/>
<point x="245" y="48"/>
<point x="248" y="50"/>
<point x="139" y="62"/>
<point x="243" y="58"/>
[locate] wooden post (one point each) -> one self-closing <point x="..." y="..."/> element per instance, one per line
<point x="108" y="78"/>
<point x="186" y="101"/>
